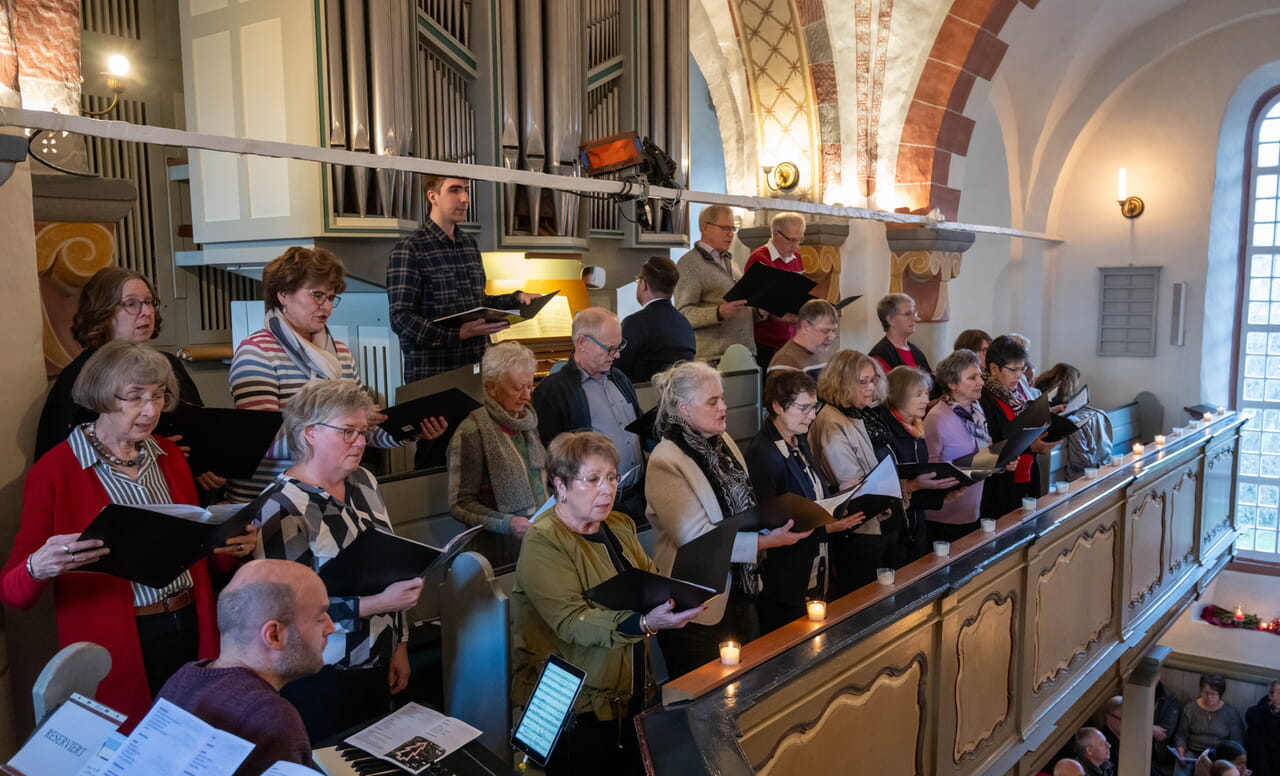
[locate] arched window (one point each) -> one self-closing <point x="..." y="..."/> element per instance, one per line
<point x="1258" y="382"/>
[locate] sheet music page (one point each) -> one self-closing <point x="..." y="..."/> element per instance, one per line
<point x="554" y="320"/>
<point x="173" y="742"/>
<point x="883" y="480"/>
<point x="832" y="502"/>
<point x="549" y="504"/>
<point x="283" y="768"/>
<point x="414" y="737"/>
<point x="1077" y="402"/>
<point x="631" y="476"/>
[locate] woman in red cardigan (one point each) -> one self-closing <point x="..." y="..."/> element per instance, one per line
<point x="149" y="632"/>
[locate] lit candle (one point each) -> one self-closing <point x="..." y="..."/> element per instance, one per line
<point x="1239" y="613"/>
<point x="817" y="610"/>
<point x="1159" y="440"/>
<point x="1208" y="416"/>
<point x="1122" y="185"/>
<point x="1138" y="448"/>
<point x="730" y="651"/>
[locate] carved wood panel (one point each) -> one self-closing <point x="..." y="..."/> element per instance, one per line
<point x="1073" y="603"/>
<point x="1184" y="500"/>
<point x="1146" y="545"/>
<point x="1218" y="489"/>
<point x="984" y="655"/>
<point x="887" y="712"/>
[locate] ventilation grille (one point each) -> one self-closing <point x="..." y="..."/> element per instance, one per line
<point x="604" y="118"/>
<point x="135" y="238"/>
<point x="118" y="18"/>
<point x="217" y="289"/>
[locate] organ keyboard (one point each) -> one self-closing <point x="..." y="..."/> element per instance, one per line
<point x="346" y="760"/>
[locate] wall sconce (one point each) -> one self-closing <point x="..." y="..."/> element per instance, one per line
<point x="117" y="70"/>
<point x="1130" y="207"/>
<point x="783" y="176"/>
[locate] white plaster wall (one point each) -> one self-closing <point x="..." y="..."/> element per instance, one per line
<point x="1256" y="594"/>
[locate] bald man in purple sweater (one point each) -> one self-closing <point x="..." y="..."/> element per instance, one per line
<point x="273" y="621"/>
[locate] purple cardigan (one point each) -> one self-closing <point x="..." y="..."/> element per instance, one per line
<point x="949" y="438"/>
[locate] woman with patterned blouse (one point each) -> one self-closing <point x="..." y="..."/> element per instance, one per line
<point x="314" y="510"/>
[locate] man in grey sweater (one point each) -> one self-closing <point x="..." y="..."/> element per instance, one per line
<point x="706" y="274"/>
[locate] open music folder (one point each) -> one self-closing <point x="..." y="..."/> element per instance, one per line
<point x="873" y="494"/>
<point x="228" y="442"/>
<point x="452" y="404"/>
<point x="512" y="315"/>
<point x="377" y="558"/>
<point x="774" y="290"/>
<point x="154" y="543"/>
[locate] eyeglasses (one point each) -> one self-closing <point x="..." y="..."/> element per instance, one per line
<point x="613" y="350"/>
<point x="1019" y="368"/>
<point x="727" y="228"/>
<point x="134" y="306"/>
<point x="321" y="297"/>
<point x="594" y="481"/>
<point x="142" y="399"/>
<point x="787" y="238"/>
<point x="908" y="314"/>
<point x="865" y="381"/>
<point x="805" y="409"/>
<point x="349" y="435"/>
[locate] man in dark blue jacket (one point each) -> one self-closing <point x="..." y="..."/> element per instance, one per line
<point x="658" y="335"/>
<point x="589" y="394"/>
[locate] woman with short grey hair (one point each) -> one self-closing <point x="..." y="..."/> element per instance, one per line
<point x="898" y="318"/>
<point x="696" y="478"/>
<point x="311" y="513"/>
<point x="497" y="464"/>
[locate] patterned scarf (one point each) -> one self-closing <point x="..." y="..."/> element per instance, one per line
<point x="974" y="419"/>
<point x="317" y="356"/>
<point x="509" y="474"/>
<point x="1015" y="402"/>
<point x="914" y="427"/>
<point x="873" y="422"/>
<point x="730" y="483"/>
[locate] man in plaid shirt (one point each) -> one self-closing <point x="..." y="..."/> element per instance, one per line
<point x="437" y="271"/>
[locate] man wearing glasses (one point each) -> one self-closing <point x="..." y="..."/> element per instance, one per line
<point x="810" y="348"/>
<point x="589" y="394"/>
<point x="782" y="251"/>
<point x="706" y="274"/>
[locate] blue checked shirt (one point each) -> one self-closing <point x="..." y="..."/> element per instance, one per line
<point x="430" y="276"/>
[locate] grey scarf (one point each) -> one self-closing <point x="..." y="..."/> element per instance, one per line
<point x="509" y="473"/>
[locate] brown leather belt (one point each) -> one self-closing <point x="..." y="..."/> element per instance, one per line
<point x="173" y="603"/>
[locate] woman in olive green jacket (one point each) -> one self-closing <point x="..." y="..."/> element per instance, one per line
<point x="567" y="551"/>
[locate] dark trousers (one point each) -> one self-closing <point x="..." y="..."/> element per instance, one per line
<point x="169" y="640"/>
<point x="593" y="745"/>
<point x="687" y="648"/>
<point x="854" y="560"/>
<point x="949" y="532"/>
<point x="333" y="700"/>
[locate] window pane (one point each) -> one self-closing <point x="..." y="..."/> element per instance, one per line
<point x="1268" y="496"/>
<point x="1264" y="235"/>
<point x="1253" y="390"/>
<point x="1270" y="420"/>
<point x="1267" y="517"/>
<point x="1260" y="267"/>
<point x="1248" y="493"/>
<point x="1269" y="132"/>
<point x="1259" y="289"/>
<point x="1255" y="366"/>
<point x="1245" y="542"/>
<point x="1267" y="185"/>
<point x="1249" y="442"/>
<point x="1269" y="154"/>
<point x="1274" y="318"/>
<point x="1248" y="465"/>
<point x="1256" y="342"/>
<point x="1273" y="342"/>
<point x="1269" y="466"/>
<point x="1264" y="541"/>
<point x="1246" y="516"/>
<point x="1273" y="367"/>
<point x="1271" y="444"/>
<point x="1264" y="210"/>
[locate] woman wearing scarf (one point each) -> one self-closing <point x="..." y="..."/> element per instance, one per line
<point x="1001" y="402"/>
<point x="497" y="464"/>
<point x="779" y="461"/>
<point x="696" y="477"/>
<point x="300" y="288"/>
<point x="955" y="428"/>
<point x="903" y="413"/>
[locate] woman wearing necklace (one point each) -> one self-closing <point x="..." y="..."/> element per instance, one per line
<point x="301" y="289"/>
<point x="903" y="412"/>
<point x="312" y="512"/>
<point x="954" y="428"/>
<point x="779" y="461"/>
<point x="115" y="458"/>
<point x="574" y="547"/>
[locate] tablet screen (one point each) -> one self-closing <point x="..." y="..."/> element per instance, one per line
<point x="548" y="710"/>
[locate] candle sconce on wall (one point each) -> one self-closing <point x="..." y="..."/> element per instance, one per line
<point x="1130" y="207"/>
<point x="783" y="176"/>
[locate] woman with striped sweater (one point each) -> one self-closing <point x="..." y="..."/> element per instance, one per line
<point x="301" y="288"/>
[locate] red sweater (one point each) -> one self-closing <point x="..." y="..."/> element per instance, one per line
<point x="59" y="497"/>
<point x="774" y="332"/>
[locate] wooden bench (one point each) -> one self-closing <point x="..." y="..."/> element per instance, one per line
<point x="1138" y="421"/>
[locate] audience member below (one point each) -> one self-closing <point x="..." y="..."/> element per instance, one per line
<point x="273" y="623"/>
<point x="809" y="349"/>
<point x="1068" y="768"/>
<point x="1094" y="752"/>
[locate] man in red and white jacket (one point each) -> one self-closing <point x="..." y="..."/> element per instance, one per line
<point x="782" y="251"/>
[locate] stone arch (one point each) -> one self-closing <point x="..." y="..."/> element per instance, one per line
<point x="967" y="47"/>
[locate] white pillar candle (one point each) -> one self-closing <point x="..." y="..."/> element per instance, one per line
<point x="884" y="576"/>
<point x="730" y="652"/>
<point x="942" y="549"/>
<point x="817" y="610"/>
<point x="1159" y="440"/>
<point x="1138" y="449"/>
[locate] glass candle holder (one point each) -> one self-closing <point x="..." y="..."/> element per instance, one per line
<point x="988" y="524"/>
<point x="730" y="652"/>
<point x="884" y="576"/>
<point x="942" y="549"/>
<point x="817" y="610"/>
